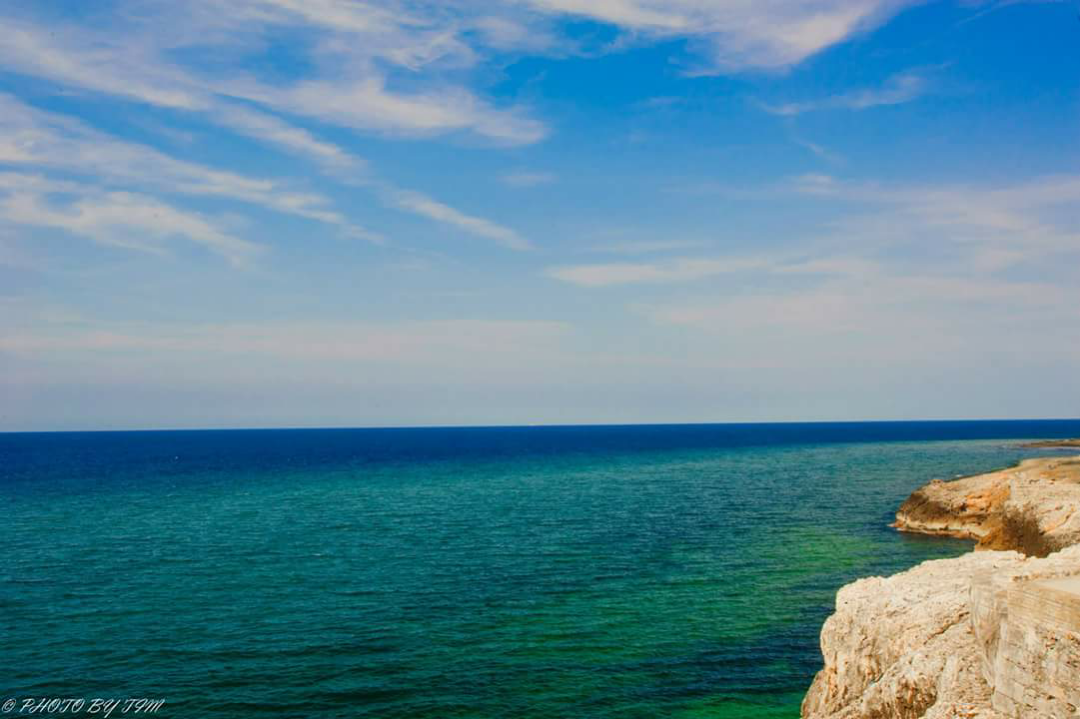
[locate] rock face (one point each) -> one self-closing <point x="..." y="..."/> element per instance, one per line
<point x="902" y="646"/>
<point x="993" y="634"/>
<point x="1026" y="623"/>
<point x="1033" y="507"/>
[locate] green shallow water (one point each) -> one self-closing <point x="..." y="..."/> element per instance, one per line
<point x="354" y="576"/>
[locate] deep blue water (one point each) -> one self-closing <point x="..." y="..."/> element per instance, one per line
<point x="645" y="571"/>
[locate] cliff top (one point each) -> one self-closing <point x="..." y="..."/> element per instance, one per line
<point x="1033" y="507"/>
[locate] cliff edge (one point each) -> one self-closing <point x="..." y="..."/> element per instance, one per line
<point x="993" y="634"/>
<point x="1033" y="508"/>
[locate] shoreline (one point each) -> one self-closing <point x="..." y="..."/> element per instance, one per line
<point x="992" y="634"/>
<point x="1053" y="444"/>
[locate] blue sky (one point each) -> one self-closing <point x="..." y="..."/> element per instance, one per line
<point x="325" y="212"/>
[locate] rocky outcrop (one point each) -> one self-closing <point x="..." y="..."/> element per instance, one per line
<point x="1033" y="507"/>
<point x="985" y="635"/>
<point x="993" y="634"/>
<point x="902" y="646"/>
<point x="966" y="508"/>
<point x="1053" y="444"/>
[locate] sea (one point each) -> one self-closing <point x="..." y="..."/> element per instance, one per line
<point x="562" y="572"/>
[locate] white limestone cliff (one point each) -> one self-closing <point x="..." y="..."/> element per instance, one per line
<point x="992" y="634"/>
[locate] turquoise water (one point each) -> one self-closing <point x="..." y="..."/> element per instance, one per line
<point x="588" y="572"/>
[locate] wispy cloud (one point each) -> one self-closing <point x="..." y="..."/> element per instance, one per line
<point x="296" y="140"/>
<point x="1015" y="221"/>
<point x="120" y="219"/>
<point x="358" y="56"/>
<point x="682" y="270"/>
<point x="94" y="63"/>
<point x="420" y="204"/>
<point x="904" y="326"/>
<point x="740" y="35"/>
<point x="646" y="247"/>
<point x="821" y="151"/>
<point x="662" y="272"/>
<point x="957" y="266"/>
<point x="897" y="90"/>
<point x="365" y="103"/>
<point x="349" y="88"/>
<point x="39" y="139"/>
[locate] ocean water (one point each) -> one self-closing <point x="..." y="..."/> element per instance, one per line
<point x="526" y="572"/>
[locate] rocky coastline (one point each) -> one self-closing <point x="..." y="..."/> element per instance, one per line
<point x="992" y="634"/>
<point x="1053" y="444"/>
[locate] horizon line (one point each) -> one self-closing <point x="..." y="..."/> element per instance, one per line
<point x="540" y="425"/>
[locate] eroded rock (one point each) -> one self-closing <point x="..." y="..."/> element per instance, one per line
<point x="993" y="634"/>
<point x="1033" y="508"/>
<point x="903" y="646"/>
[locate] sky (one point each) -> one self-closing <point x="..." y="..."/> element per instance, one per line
<point x="291" y="213"/>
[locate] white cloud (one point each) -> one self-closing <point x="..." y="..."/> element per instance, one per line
<point x="420" y="204"/>
<point x="960" y="231"/>
<point x="740" y="34"/>
<point x="97" y="64"/>
<point x="108" y="64"/>
<point x="523" y="34"/>
<point x="395" y="67"/>
<point x="293" y="139"/>
<point x="364" y="103"/>
<point x="121" y="219"/>
<point x="347" y="86"/>
<point x="897" y="90"/>
<point x="357" y="17"/>
<point x="733" y="34"/>
<point x="921" y="313"/>
<point x="667" y="271"/>
<point x="905" y="277"/>
<point x="1017" y="220"/>
<point x="686" y="270"/>
<point x="646" y="247"/>
<point x="35" y="138"/>
<point x="820" y="151"/>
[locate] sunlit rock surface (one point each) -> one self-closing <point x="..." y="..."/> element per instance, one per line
<point x="990" y="634"/>
<point x="1033" y="507"/>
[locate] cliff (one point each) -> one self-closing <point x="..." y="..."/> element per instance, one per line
<point x="993" y="634"/>
<point x="1033" y="507"/>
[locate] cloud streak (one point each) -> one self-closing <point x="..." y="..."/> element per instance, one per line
<point x="758" y="34"/>
<point x="662" y="272"/>
<point x="424" y="206"/>
<point x="1016" y="223"/>
<point x="119" y="219"/>
<point x="292" y="139"/>
<point x="40" y="139"/>
<point x="897" y="90"/>
<point x="349" y="88"/>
